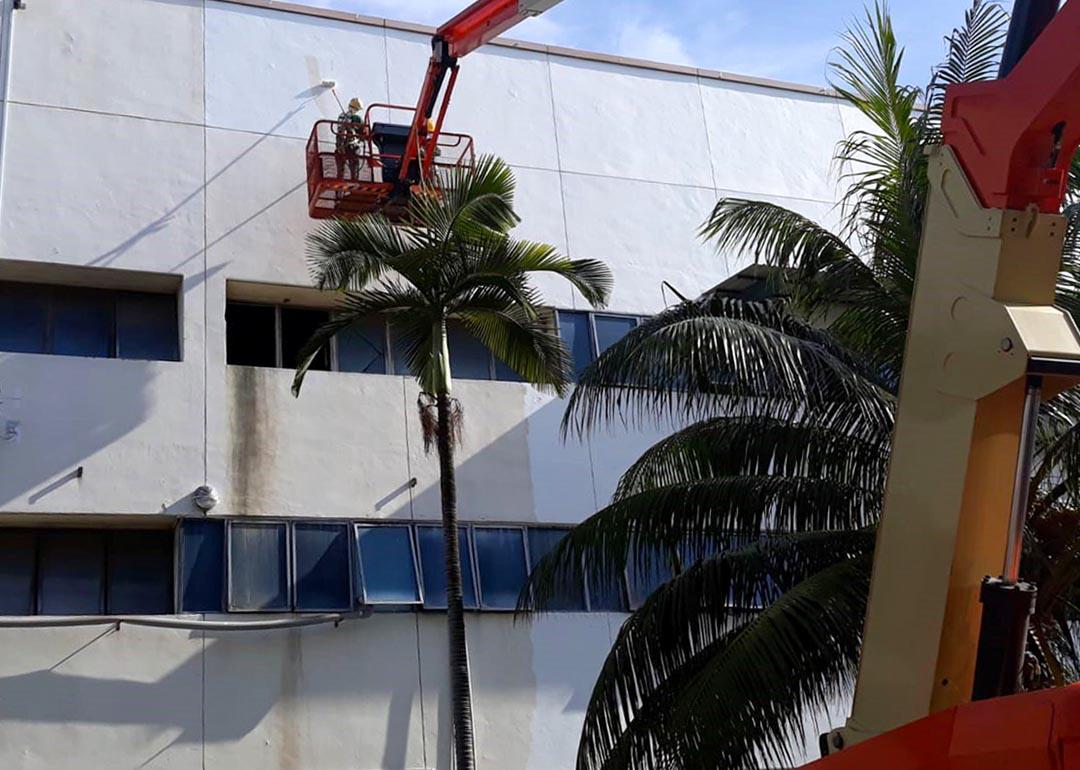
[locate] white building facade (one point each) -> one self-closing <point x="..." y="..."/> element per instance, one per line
<point x="152" y="184"/>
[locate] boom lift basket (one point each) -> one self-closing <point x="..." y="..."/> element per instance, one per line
<point x="347" y="178"/>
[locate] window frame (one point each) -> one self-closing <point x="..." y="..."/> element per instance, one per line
<point x="593" y="315"/>
<point x="564" y="528"/>
<point x="51" y="294"/>
<point x="522" y="528"/>
<point x="418" y="582"/>
<point x="474" y="572"/>
<point x="261" y="521"/>
<point x="332" y="347"/>
<point x="590" y="316"/>
<point x="353" y="556"/>
<point x="180" y="556"/>
<point x="174" y="586"/>
<point x="38" y="533"/>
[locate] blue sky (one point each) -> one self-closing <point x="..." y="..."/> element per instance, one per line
<point x="784" y="39"/>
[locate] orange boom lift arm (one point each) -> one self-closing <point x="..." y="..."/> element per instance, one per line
<point x="477" y="25"/>
<point x="948" y="615"/>
<point x="379" y="170"/>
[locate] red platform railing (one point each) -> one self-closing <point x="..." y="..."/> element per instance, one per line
<point x="345" y="182"/>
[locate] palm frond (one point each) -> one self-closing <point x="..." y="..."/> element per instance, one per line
<point x="694" y="681"/>
<point x="355" y="308"/>
<point x="773" y="235"/>
<point x="695" y="518"/>
<point x="592" y="278"/>
<point x="524" y="343"/>
<point x="351" y="253"/>
<point x="468" y="202"/>
<point x="704" y="358"/>
<point x="973" y="54"/>
<point x="756" y="446"/>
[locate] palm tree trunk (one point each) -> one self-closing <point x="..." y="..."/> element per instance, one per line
<point x="460" y="687"/>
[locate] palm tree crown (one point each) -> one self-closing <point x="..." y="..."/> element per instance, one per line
<point x="452" y="262"/>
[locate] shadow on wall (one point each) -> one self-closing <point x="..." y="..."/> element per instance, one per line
<point x="61" y="412"/>
<point x="66" y="410"/>
<point x="290" y="686"/>
<point x="307" y="696"/>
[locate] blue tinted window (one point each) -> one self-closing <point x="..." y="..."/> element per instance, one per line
<point x="576" y="335"/>
<point x="322" y="567"/>
<point x="433" y="566"/>
<point x="387" y="568"/>
<point x="71" y="573"/>
<point x="612" y="328"/>
<point x="397" y="348"/>
<point x="469" y="358"/>
<point x="500" y="560"/>
<point x="146" y="327"/>
<point x="82" y="324"/>
<point x="202" y="569"/>
<point x="642" y="580"/>
<point x="541" y="543"/>
<point x="362" y="347"/>
<point x="140" y="573"/>
<point x="605" y="596"/>
<point x="24" y="313"/>
<point x="16" y="572"/>
<point x="504" y="373"/>
<point x="258" y="567"/>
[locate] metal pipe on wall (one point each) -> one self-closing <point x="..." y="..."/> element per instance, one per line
<point x="152" y="621"/>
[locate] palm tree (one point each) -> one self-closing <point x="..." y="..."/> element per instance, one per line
<point x="788" y="411"/>
<point x="452" y="262"/>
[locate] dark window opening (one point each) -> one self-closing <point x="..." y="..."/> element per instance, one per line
<point x="147" y="327"/>
<point x="140" y="580"/>
<point x="250" y="334"/>
<point x="86" y="572"/>
<point x="297" y="327"/>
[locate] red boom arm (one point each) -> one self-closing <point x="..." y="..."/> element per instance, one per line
<point x="478" y="24"/>
<point x="1015" y="137"/>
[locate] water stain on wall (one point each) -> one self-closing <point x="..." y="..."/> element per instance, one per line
<point x="251" y="437"/>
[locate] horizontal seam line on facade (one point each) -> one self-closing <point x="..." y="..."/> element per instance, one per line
<point x="553" y="50"/>
<point x="523" y="166"/>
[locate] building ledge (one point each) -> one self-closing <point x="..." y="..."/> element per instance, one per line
<point x="552" y="50"/>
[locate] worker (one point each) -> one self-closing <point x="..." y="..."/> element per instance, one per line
<point x="426" y="132"/>
<point x="351" y="131"/>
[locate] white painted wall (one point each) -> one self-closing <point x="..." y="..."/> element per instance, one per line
<point x="167" y="136"/>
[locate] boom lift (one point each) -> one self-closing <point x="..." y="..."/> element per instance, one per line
<point x="395" y="158"/>
<point x="985" y="346"/>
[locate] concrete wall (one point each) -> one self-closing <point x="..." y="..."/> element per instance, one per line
<point x="167" y="136"/>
